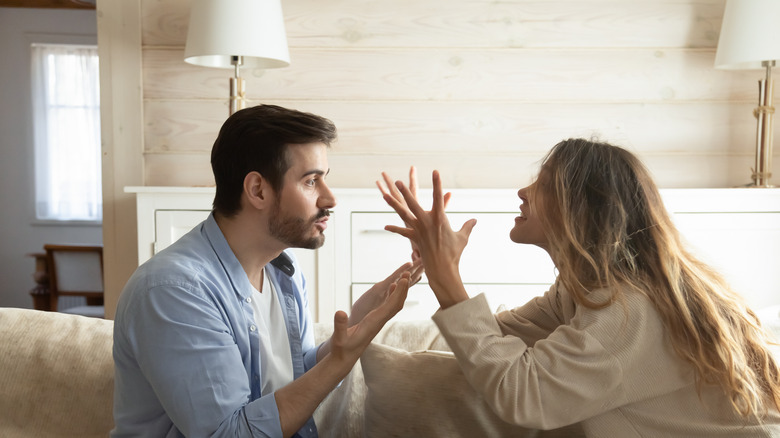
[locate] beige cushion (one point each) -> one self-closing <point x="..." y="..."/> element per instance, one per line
<point x="341" y="414"/>
<point x="56" y="375"/>
<point x="425" y="394"/>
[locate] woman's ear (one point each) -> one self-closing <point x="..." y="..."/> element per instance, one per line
<point x="257" y="191"/>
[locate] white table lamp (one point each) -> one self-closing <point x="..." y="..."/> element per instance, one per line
<point x="236" y="33"/>
<point x="750" y="40"/>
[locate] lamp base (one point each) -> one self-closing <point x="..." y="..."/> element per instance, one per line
<point x="764" y="113"/>
<point x="237" y="95"/>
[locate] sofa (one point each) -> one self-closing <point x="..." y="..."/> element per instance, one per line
<point x="56" y="380"/>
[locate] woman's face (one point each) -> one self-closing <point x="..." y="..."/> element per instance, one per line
<point x="528" y="228"/>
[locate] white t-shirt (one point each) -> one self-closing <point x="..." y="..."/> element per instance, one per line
<point x="275" y="358"/>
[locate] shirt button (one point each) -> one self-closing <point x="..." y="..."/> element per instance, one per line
<point x="252" y="328"/>
<point x="289" y="302"/>
<point x="248" y="299"/>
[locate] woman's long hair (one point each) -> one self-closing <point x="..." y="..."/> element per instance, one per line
<point x="607" y="227"/>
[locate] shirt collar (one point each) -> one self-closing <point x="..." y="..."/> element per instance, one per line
<point x="284" y="264"/>
<point x="230" y="262"/>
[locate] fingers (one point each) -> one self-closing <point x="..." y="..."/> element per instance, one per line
<point x="411" y="201"/>
<point x="413" y="180"/>
<point x="381" y="187"/>
<point x="397" y="296"/>
<point x="438" y="198"/>
<point x="401" y="269"/>
<point x="410" y="268"/>
<point x="390" y="186"/>
<point x="415" y="274"/>
<point x="406" y="232"/>
<point x="340" y="324"/>
<point x="468" y="227"/>
<point x="376" y="319"/>
<point x="399" y="203"/>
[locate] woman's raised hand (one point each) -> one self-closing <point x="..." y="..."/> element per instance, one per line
<point x="393" y="191"/>
<point x="431" y="234"/>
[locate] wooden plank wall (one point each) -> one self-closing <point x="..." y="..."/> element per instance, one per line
<point x="479" y="89"/>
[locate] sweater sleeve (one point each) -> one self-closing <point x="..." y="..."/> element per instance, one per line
<point x="565" y="378"/>
<point x="595" y="361"/>
<point x="537" y="318"/>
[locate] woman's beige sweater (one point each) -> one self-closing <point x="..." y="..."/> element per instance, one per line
<point x="552" y="363"/>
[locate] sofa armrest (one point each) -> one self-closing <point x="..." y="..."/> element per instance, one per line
<point x="57" y="374"/>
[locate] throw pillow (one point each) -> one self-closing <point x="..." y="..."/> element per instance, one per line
<point x="425" y="394"/>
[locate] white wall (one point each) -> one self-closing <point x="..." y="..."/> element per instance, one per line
<point x="19" y="234"/>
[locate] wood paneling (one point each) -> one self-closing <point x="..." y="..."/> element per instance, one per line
<point x="477" y="88"/>
<point x="475" y="170"/>
<point x="472" y="23"/>
<point x="615" y="75"/>
<point x="486" y="127"/>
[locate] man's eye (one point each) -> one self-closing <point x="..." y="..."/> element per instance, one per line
<point x="311" y="182"/>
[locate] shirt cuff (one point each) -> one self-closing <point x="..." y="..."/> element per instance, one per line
<point x="310" y="358"/>
<point x="263" y="414"/>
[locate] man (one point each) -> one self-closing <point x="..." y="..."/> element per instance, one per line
<point x="213" y="335"/>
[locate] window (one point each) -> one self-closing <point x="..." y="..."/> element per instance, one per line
<point x="66" y="120"/>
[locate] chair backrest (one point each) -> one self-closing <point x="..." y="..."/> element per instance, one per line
<point x="75" y="270"/>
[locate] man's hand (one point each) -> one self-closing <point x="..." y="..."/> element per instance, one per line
<point x="298" y="400"/>
<point x="378" y="293"/>
<point x="349" y="341"/>
<point x="381" y="299"/>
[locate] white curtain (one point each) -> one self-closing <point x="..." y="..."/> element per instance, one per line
<point x="66" y="105"/>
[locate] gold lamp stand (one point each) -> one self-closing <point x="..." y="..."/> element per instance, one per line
<point x="764" y="113"/>
<point x="237" y="92"/>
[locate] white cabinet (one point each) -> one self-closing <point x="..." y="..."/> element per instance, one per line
<point x="737" y="231"/>
<point x="507" y="273"/>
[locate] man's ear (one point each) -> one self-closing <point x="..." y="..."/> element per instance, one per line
<point x="257" y="191"/>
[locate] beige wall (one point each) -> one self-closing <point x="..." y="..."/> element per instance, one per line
<point x="476" y="88"/>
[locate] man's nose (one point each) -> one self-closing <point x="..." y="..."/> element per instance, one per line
<point x="327" y="199"/>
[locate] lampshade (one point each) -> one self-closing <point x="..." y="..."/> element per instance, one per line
<point x="252" y="29"/>
<point x="749" y="35"/>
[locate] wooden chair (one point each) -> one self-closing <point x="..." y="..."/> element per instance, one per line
<point x="76" y="270"/>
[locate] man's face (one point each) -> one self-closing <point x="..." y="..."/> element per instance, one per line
<point x="300" y="214"/>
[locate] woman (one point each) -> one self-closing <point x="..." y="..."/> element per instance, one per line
<point x="636" y="338"/>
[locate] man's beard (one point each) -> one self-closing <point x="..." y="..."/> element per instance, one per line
<point x="292" y="231"/>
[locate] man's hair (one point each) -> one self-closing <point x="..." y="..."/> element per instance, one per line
<point x="256" y="140"/>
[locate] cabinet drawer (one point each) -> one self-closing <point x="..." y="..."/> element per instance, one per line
<point x="421" y="302"/>
<point x="489" y="258"/>
<point x="171" y="225"/>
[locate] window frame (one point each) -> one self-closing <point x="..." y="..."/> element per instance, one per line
<point x="54" y="39"/>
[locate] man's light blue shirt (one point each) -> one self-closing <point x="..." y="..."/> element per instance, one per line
<point x="186" y="347"/>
